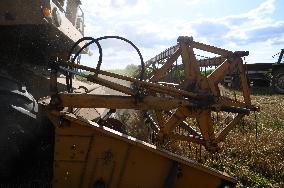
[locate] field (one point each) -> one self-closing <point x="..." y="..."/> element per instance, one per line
<point x="254" y="156"/>
<point x="253" y="152"/>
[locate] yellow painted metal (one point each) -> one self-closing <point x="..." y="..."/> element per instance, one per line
<point x="196" y="97"/>
<point x="88" y="155"/>
<point x="166" y="66"/>
<point x="120" y="102"/>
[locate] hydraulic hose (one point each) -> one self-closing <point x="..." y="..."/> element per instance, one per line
<point x="108" y="37"/>
<point x="92" y="40"/>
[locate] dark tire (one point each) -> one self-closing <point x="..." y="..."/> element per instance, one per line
<point x="236" y="83"/>
<point x="278" y="81"/>
<point x="18" y="129"/>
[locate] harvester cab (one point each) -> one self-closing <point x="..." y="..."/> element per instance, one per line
<point x="48" y="28"/>
<point x="34" y="33"/>
<point x="73" y="12"/>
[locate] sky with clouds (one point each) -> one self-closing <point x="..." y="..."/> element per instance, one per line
<point x="154" y="25"/>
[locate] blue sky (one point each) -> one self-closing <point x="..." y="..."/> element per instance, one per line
<point x="154" y="25"/>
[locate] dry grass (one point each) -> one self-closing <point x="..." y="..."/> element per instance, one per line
<point x="256" y="161"/>
<point x="135" y="125"/>
<point x="255" y="158"/>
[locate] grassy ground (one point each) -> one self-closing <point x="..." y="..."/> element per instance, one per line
<point x="255" y="158"/>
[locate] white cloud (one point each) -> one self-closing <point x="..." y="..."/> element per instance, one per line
<point x="255" y="30"/>
<point x="193" y="2"/>
<point x="267" y="7"/>
<point x="111" y="9"/>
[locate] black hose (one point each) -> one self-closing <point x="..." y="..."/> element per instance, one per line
<point x="76" y="43"/>
<point x="93" y="40"/>
<point x="134" y="46"/>
<point x="114" y="37"/>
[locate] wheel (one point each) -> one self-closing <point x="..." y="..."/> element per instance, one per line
<point x="236" y="82"/>
<point x="278" y="81"/>
<point x="18" y="126"/>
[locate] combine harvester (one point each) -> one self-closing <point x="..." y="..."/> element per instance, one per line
<point x="93" y="151"/>
<point x="87" y="154"/>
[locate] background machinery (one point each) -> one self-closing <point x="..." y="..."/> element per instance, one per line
<point x="88" y="150"/>
<point x="267" y="74"/>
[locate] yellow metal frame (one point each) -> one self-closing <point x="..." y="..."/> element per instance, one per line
<point x="195" y="97"/>
<point x="88" y="155"/>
